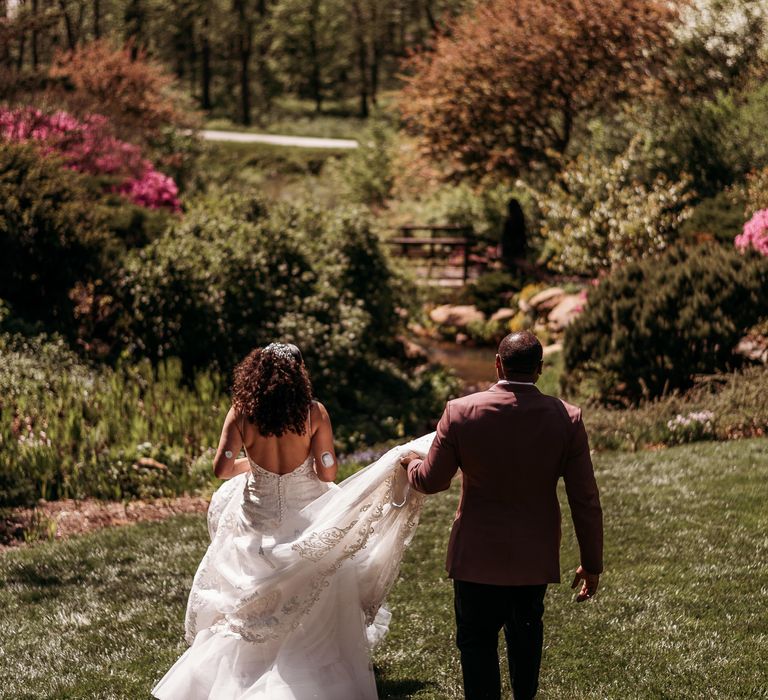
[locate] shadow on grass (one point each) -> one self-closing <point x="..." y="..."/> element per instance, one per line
<point x="400" y="689"/>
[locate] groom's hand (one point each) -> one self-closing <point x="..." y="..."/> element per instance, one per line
<point x="406" y="459"/>
<point x="588" y="586"/>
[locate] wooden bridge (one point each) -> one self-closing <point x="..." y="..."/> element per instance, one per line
<point x="431" y="252"/>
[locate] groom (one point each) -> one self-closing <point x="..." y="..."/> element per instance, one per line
<point x="512" y="444"/>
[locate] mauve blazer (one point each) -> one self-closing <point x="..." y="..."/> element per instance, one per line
<point x="512" y="444"/>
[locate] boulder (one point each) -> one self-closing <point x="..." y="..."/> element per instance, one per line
<point x="546" y="300"/>
<point x="753" y="348"/>
<point x="568" y="308"/>
<point x="458" y="316"/>
<point x="503" y="315"/>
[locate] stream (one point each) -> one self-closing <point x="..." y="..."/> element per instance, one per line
<point x="474" y="366"/>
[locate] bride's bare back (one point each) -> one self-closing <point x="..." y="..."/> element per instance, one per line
<point x="279" y="455"/>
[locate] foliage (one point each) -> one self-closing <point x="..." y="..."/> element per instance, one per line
<point x="61" y="599"/>
<point x="70" y="431"/>
<point x="756" y="191"/>
<point x="718" y="218"/>
<point x="234" y="58"/>
<point x="755" y="234"/>
<point x="240" y="276"/>
<point x="483" y="207"/>
<point x="653" y="325"/>
<point x="50" y="233"/>
<point x="725" y="407"/>
<point x="598" y="215"/>
<point x="133" y="93"/>
<point x="491" y="291"/>
<point x="505" y="88"/>
<point x="717" y="140"/>
<point x="366" y="175"/>
<point x="88" y="146"/>
<point x="306" y="51"/>
<point x="719" y="45"/>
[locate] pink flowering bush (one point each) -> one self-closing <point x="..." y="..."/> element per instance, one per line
<point x="755" y="233"/>
<point x="87" y="146"/>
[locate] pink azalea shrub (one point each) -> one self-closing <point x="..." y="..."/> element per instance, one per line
<point x="87" y="146"/>
<point x="755" y="233"/>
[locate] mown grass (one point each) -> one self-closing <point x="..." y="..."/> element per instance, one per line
<point x="681" y="613"/>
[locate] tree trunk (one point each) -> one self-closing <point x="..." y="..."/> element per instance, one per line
<point x="134" y="26"/>
<point x="20" y="57"/>
<point x="263" y="47"/>
<point x="206" y="67"/>
<point x="430" y="16"/>
<point x="375" y="52"/>
<point x="244" y="51"/>
<point x="314" y="53"/>
<point x="70" y="30"/>
<point x="362" y="58"/>
<point x="35" y="56"/>
<point x="97" y="19"/>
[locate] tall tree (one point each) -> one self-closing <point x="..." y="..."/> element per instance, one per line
<point x="505" y="88"/>
<point x="135" y="26"/>
<point x="244" y="42"/>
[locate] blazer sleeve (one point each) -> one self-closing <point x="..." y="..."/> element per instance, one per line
<point x="434" y="473"/>
<point x="584" y="498"/>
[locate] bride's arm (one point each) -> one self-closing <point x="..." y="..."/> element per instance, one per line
<point x="326" y="464"/>
<point x="225" y="463"/>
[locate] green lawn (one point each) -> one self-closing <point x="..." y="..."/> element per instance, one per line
<point x="682" y="613"/>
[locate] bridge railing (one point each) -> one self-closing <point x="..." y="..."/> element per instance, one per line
<point x="433" y="245"/>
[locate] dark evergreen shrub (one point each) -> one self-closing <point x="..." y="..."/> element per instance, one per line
<point x="651" y="326"/>
<point x="50" y="234"/>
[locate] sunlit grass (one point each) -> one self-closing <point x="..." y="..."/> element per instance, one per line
<point x="681" y="614"/>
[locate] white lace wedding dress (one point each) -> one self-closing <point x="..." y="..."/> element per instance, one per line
<point x="288" y="600"/>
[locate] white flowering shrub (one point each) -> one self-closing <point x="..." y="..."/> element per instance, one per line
<point x="694" y="426"/>
<point x="597" y="215"/>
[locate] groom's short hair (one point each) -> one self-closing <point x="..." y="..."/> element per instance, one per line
<point x="520" y="353"/>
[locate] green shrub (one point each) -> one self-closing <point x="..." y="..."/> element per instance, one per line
<point x="597" y="215"/>
<point x="491" y="291"/>
<point x="366" y="175"/>
<point x="233" y="276"/>
<point x="653" y="325"/>
<point x="484" y="208"/>
<point x="68" y="430"/>
<point x="724" y="407"/>
<point x="720" y="217"/>
<point x="50" y="233"/>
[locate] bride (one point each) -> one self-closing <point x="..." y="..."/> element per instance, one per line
<point x="288" y="601"/>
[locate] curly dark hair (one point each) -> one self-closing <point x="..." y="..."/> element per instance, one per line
<point x="272" y="390"/>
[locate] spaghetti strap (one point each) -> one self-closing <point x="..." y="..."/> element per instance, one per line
<point x="242" y="436"/>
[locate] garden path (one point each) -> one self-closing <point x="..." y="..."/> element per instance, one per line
<point x="277" y="140"/>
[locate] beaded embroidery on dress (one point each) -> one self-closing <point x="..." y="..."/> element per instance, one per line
<point x="288" y="600"/>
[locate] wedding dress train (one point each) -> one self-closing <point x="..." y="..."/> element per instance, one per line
<point x="288" y="601"/>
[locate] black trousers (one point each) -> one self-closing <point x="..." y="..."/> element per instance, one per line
<point x="482" y="611"/>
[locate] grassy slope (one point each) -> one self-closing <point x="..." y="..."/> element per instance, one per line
<point x="682" y="611"/>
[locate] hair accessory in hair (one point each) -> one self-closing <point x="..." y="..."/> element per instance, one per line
<point x="281" y="350"/>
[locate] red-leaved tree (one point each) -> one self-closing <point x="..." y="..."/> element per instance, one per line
<point x="506" y="88"/>
<point x="136" y="94"/>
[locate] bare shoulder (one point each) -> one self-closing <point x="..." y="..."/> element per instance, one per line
<point x="319" y="412"/>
